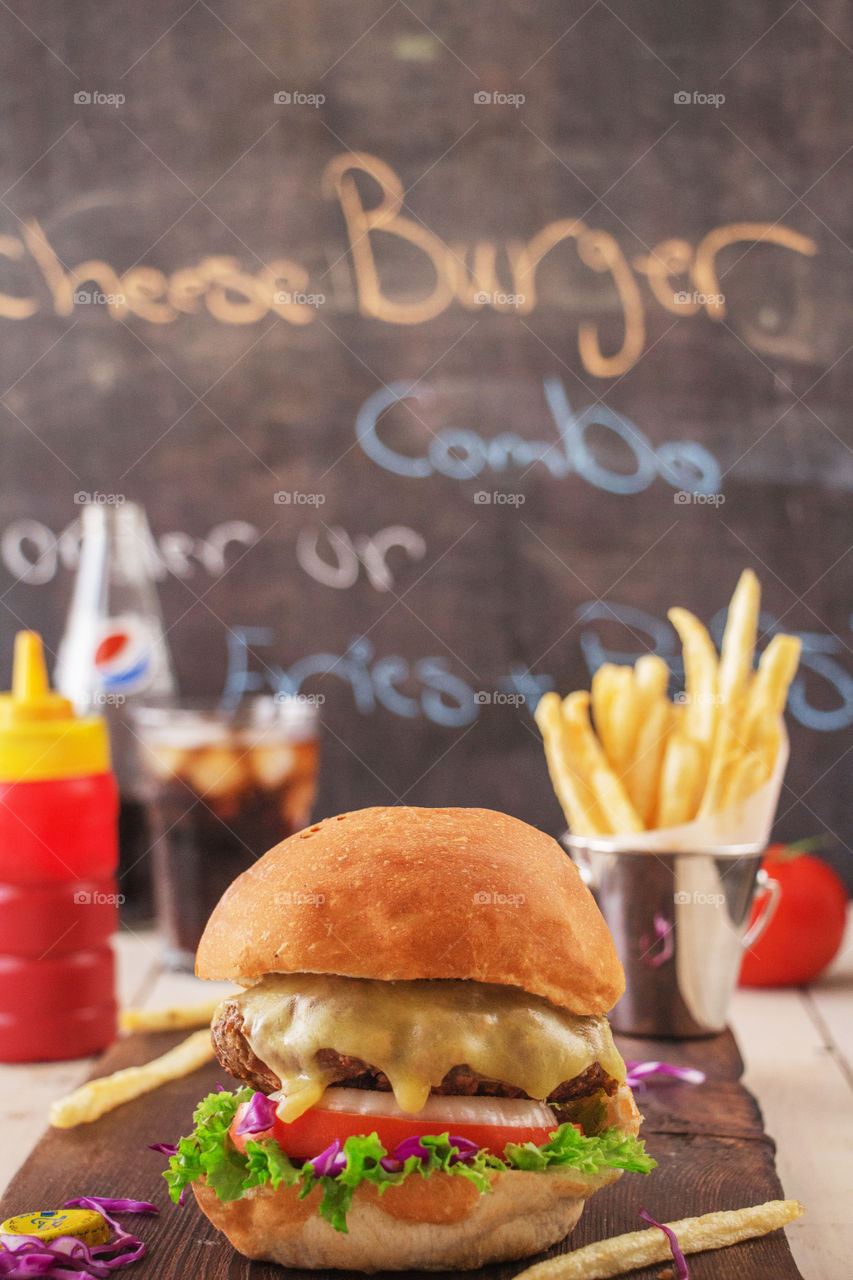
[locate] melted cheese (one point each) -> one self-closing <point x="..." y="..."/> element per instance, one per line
<point x="415" y="1032"/>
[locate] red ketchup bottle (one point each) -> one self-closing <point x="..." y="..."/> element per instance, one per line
<point x="58" y="857"/>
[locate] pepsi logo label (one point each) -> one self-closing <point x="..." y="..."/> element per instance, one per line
<point x="123" y="657"/>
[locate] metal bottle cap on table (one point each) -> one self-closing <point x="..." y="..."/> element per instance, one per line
<point x="49" y="1224"/>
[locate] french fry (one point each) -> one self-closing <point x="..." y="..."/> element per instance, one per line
<point x="170" y="1019"/>
<point x="625" y="716"/>
<point x="616" y="712"/>
<point x="575" y="794"/>
<point x="680" y="780"/>
<point x="768" y="691"/>
<point x="643" y="774"/>
<point x="613" y="798"/>
<point x="750" y="727"/>
<point x="652" y="676"/>
<point x="746" y="774"/>
<point x="638" y="1249"/>
<point x="734" y="680"/>
<point x="765" y="739"/>
<point x="700" y="672"/>
<point x="729" y="745"/>
<point x="605" y="692"/>
<point x="97" y="1097"/>
<point x="593" y="764"/>
<point x="738" y="648"/>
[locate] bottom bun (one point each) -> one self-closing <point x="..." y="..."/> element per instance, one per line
<point x="439" y="1223"/>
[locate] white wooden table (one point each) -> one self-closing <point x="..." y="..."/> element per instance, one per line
<point x="797" y="1045"/>
<point x="798" y="1050"/>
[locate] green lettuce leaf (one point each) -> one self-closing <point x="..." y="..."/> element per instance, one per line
<point x="209" y="1153"/>
<point x="569" y="1148"/>
<point x="268" y="1163"/>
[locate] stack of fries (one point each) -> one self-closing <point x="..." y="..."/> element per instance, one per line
<point x="650" y="763"/>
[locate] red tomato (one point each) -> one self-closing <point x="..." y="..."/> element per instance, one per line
<point x="806" y="931"/>
<point x="317" y="1129"/>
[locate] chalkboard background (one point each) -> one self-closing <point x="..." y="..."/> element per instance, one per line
<point x="200" y="306"/>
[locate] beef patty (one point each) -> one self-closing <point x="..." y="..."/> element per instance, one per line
<point x="236" y="1056"/>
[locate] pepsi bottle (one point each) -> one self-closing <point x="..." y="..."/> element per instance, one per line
<point x="114" y="653"/>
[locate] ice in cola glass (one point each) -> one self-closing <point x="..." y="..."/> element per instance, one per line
<point x="223" y="786"/>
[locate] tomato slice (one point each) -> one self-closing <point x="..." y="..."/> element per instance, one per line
<point x="317" y="1128"/>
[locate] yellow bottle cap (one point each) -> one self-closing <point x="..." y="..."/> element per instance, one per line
<point x="40" y="736"/>
<point x="50" y="1224"/>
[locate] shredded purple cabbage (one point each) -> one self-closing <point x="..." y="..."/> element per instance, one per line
<point x="410" y="1147"/>
<point x="413" y="1147"/>
<point x="465" y="1147"/>
<point x="68" y="1258"/>
<point x="329" y="1162"/>
<point x="104" y="1205"/>
<point x="167" y="1148"/>
<point x="638" y="1071"/>
<point x="681" y="1270"/>
<point x="61" y="1258"/>
<point x="259" y="1115"/>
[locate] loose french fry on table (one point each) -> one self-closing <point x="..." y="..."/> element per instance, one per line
<point x="172" y="1018"/>
<point x="593" y="764"/>
<point x="97" y="1097"/>
<point x="576" y="797"/>
<point x="620" y="1254"/>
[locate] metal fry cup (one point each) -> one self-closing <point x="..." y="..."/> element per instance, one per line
<point x="680" y="921"/>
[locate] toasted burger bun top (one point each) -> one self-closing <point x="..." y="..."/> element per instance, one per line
<point x="404" y="893"/>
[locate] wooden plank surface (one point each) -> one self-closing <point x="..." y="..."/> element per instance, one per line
<point x="709" y="1141"/>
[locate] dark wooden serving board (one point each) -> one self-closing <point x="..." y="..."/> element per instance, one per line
<point x="709" y="1140"/>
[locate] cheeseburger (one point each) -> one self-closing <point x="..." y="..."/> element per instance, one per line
<point x="427" y="1075"/>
